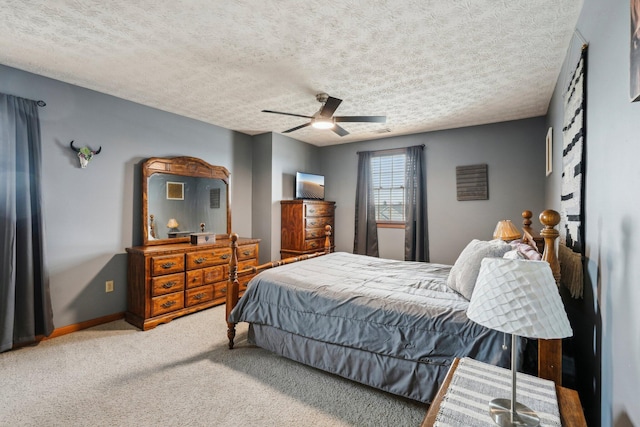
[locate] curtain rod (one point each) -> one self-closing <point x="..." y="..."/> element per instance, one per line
<point x="389" y="149"/>
<point x="39" y="102"/>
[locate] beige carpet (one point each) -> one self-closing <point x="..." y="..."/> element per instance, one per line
<point x="181" y="374"/>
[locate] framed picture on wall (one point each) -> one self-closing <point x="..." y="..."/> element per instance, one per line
<point x="634" y="56"/>
<point x="549" y="158"/>
<point x="175" y="190"/>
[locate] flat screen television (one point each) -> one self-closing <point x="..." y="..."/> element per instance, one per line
<point x="309" y="186"/>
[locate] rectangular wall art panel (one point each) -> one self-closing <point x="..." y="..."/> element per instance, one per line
<point x="573" y="156"/>
<point x="472" y="183"/>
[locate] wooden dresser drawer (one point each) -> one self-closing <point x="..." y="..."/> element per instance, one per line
<point x="167" y="264"/>
<point x="208" y="258"/>
<point x="199" y="295"/>
<point x="243" y="265"/>
<point x="162" y="285"/>
<point x="215" y="274"/>
<point x="314" y="233"/>
<point x="315" y="244"/>
<point x="318" y="222"/>
<point x="244" y="280"/>
<point x="167" y="303"/>
<point x="220" y="290"/>
<point x="247" y="251"/>
<point x="318" y="210"/>
<point x="195" y="278"/>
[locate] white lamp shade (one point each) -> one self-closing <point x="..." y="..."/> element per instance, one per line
<point x="519" y="297"/>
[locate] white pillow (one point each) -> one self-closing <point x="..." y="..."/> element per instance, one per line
<point x="464" y="272"/>
<point x="514" y="254"/>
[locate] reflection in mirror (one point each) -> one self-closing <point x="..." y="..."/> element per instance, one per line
<point x="183" y="195"/>
<point x="181" y="205"/>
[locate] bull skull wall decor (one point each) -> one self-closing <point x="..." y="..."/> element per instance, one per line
<point x="85" y="154"/>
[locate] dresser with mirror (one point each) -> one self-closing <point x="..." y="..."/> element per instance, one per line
<point x="183" y="264"/>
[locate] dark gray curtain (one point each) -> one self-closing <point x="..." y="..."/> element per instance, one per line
<point x="365" y="241"/>
<point x="416" y="234"/>
<point x="25" y="301"/>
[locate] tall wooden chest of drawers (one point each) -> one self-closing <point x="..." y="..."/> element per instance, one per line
<point x="169" y="281"/>
<point x="302" y="226"/>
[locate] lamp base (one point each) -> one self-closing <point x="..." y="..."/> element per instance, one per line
<point x="500" y="411"/>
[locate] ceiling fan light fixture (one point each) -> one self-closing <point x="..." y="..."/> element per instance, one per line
<point x="322" y="123"/>
<point x="324" y="118"/>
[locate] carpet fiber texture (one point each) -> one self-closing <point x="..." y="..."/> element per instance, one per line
<point x="181" y="374"/>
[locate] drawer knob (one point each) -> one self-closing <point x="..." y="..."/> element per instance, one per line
<point x="314" y="244"/>
<point x="168" y="304"/>
<point x="223" y="290"/>
<point x="168" y="264"/>
<point x="246" y="253"/>
<point x="225" y="256"/>
<point x="311" y="210"/>
<point x="200" y="296"/>
<point x="200" y="260"/>
<point x="169" y="284"/>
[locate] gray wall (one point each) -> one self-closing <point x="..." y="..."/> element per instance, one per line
<point x="607" y="321"/>
<point x="277" y="158"/>
<point x="514" y="152"/>
<point x="93" y="214"/>
<point x="261" y="203"/>
<point x="289" y="156"/>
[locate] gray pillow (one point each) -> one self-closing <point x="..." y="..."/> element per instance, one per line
<point x="464" y="272"/>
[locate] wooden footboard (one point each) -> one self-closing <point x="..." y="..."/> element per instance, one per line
<point x="233" y="289"/>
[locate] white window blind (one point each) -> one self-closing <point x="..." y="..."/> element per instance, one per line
<point x="388" y="187"/>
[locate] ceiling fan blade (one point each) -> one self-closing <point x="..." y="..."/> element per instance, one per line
<point x="330" y="106"/>
<point x="297" y="127"/>
<point x="367" y="119"/>
<point x="340" y="130"/>
<point x="286" y="114"/>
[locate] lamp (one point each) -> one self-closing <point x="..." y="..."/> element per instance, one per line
<point x="505" y="230"/>
<point x="322" y="122"/>
<point x="517" y="297"/>
<point x="173" y="224"/>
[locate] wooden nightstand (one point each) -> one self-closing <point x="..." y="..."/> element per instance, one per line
<point x="568" y="403"/>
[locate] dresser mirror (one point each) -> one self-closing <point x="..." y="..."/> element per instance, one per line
<point x="181" y="196"/>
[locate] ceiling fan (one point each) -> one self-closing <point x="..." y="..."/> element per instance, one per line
<point x="324" y="118"/>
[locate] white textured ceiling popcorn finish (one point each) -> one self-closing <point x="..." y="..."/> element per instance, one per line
<point x="426" y="65"/>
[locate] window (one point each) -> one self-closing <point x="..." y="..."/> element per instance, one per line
<point x="388" y="187"/>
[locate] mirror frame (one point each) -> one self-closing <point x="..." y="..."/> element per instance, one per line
<point x="184" y="166"/>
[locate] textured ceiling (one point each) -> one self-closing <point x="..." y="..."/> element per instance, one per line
<point x="425" y="64"/>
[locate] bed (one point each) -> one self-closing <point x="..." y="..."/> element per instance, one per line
<point x="392" y="325"/>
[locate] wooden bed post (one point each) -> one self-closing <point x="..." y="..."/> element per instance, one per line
<point x="327" y="239"/>
<point x="550" y="219"/>
<point x="550" y="351"/>
<point x="232" y="288"/>
<point x="526" y="222"/>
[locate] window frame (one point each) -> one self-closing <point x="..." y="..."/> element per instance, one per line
<point x="391" y="153"/>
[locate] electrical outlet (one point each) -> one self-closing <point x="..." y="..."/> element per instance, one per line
<point x="108" y="286"/>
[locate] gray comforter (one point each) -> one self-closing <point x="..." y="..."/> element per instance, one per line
<point x="392" y="308"/>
